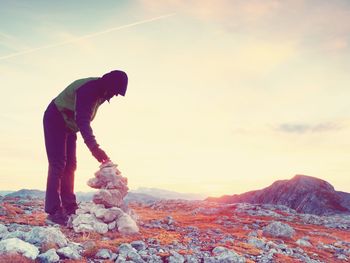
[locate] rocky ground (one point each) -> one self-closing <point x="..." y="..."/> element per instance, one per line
<point x="178" y="231"/>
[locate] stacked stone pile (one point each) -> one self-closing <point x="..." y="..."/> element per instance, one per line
<point x="107" y="212"/>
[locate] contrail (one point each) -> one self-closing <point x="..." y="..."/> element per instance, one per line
<point x="85" y="36"/>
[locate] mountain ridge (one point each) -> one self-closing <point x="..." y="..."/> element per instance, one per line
<point x="305" y="194"/>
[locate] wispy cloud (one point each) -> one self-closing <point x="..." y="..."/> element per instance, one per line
<point x="302" y="128"/>
<point x="72" y="40"/>
<point x="316" y="25"/>
<point x="12" y="43"/>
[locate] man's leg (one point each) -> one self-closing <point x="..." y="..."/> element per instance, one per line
<point x="55" y="142"/>
<point x="67" y="183"/>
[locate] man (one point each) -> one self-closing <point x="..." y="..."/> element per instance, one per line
<point x="72" y="111"/>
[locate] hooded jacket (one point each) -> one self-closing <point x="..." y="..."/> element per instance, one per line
<point x="79" y="102"/>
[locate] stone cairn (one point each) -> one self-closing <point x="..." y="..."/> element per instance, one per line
<point x="107" y="211"/>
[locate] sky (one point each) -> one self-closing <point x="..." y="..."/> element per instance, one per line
<point x="224" y="96"/>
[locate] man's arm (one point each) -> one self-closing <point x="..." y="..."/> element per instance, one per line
<point x="86" y="99"/>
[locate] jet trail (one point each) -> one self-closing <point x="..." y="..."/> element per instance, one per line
<point x="85" y="36"/>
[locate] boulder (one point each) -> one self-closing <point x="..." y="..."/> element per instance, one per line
<point x="15" y="245"/>
<point x="126" y="225"/>
<point x="278" y="229"/>
<point x="46" y="236"/>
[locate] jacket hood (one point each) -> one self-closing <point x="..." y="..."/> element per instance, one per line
<point x="115" y="82"/>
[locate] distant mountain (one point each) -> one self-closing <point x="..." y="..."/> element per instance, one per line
<point x="305" y="194"/>
<point x="27" y="193"/>
<point x="3" y="193"/>
<point x="140" y="197"/>
<point x="166" y="194"/>
<point x="84" y="196"/>
<point x="131" y="196"/>
<point x="145" y="195"/>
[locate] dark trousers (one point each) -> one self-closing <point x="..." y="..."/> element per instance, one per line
<point x="61" y="154"/>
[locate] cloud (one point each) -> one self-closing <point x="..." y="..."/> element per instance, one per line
<point x="302" y="128"/>
<point x="317" y="25"/>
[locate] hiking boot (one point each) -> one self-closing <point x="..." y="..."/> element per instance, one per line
<point x="68" y="211"/>
<point x="57" y="218"/>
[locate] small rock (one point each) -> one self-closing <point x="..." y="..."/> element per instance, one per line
<point x="223" y="254"/>
<point x="258" y="243"/>
<point x="175" y="257"/>
<point x="49" y="256"/>
<point x="89" y="244"/>
<point x="126" y="225"/>
<point x="138" y="245"/>
<point x="15" y="245"/>
<point x="69" y="253"/>
<point x="303" y="242"/>
<point x="278" y="229"/>
<point x="135" y="257"/>
<point x="191" y="259"/>
<point x="112" y="225"/>
<point x="3" y="230"/>
<point x="103" y="253"/>
<point x="125" y="248"/>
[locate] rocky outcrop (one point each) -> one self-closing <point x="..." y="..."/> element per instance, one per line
<point x="305" y="194"/>
<point x="107" y="212"/>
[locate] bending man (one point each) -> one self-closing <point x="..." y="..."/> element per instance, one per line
<point x="70" y="112"/>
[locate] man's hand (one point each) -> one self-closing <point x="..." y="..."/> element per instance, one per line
<point x="100" y="155"/>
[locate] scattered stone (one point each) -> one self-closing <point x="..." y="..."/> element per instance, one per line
<point x="222" y="254"/>
<point x="125" y="248"/>
<point x="46" y="236"/>
<point x="303" y="242"/>
<point x="258" y="243"/>
<point x="15" y="234"/>
<point x="112" y="225"/>
<point x="49" y="256"/>
<point x="15" y="245"/>
<point x="126" y="225"/>
<point x="135" y="257"/>
<point x="103" y="253"/>
<point x="68" y="252"/>
<point x="138" y="245"/>
<point x="175" y="257"/>
<point x="88" y="244"/>
<point x="3" y="230"/>
<point x="278" y="229"/>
